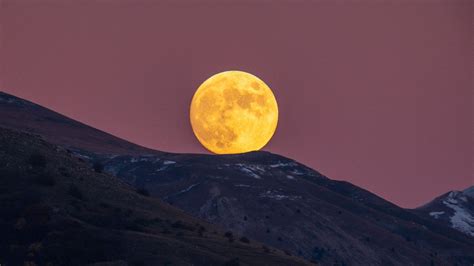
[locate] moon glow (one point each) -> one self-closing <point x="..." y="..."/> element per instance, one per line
<point x="233" y="112"/>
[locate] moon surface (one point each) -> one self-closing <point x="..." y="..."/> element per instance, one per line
<point x="233" y="112"/>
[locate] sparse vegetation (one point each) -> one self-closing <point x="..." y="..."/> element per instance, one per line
<point x="98" y="167"/>
<point x="44" y="179"/>
<point x="229" y="236"/>
<point x="143" y="191"/>
<point x="166" y="231"/>
<point x="201" y="230"/>
<point x="244" y="240"/>
<point x="64" y="171"/>
<point x="317" y="254"/>
<point x="37" y="160"/>
<point x="180" y="225"/>
<point x="75" y="192"/>
<point x="266" y="249"/>
<point x="233" y="262"/>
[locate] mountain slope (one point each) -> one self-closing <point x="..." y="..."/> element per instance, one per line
<point x="275" y="200"/>
<point x="23" y="115"/>
<point x="55" y="210"/>
<point x="290" y="206"/>
<point x="454" y="209"/>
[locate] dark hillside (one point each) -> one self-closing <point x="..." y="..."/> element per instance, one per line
<point x="56" y="210"/>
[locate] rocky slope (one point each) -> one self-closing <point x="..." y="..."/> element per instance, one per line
<point x="55" y="210"/>
<point x="269" y="198"/>
<point x="290" y="206"/>
<point x="454" y="209"/>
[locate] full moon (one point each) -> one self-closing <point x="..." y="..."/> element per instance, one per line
<point x="234" y="112"/>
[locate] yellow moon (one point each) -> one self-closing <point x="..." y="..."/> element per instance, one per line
<point x="234" y="112"/>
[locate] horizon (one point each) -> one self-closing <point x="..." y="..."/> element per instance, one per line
<point x="469" y="187"/>
<point x="376" y="94"/>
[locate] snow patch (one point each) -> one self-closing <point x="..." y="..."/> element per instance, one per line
<point x="452" y="197"/>
<point x="436" y="214"/>
<point x="188" y="188"/>
<point x="290" y="177"/>
<point x="461" y="220"/>
<point x="242" y="185"/>
<point x="282" y="165"/>
<point x="296" y="172"/>
<point x="249" y="172"/>
<point x="274" y="195"/>
<point x="161" y="168"/>
<point x="168" y="162"/>
<point x="7" y="100"/>
<point x="143" y="159"/>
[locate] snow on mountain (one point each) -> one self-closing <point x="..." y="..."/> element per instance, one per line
<point x="455" y="208"/>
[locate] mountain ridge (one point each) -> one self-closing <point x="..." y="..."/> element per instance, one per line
<point x="454" y="209"/>
<point x="60" y="129"/>
<point x="277" y="201"/>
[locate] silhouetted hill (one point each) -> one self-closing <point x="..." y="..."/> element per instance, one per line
<point x="23" y="115"/>
<point x="275" y="200"/>
<point x="55" y="210"/>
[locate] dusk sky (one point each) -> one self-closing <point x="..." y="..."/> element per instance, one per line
<point x="377" y="93"/>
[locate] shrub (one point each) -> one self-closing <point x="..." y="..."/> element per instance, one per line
<point x="143" y="191"/>
<point x="201" y="230"/>
<point x="180" y="225"/>
<point x="64" y="171"/>
<point x="232" y="262"/>
<point x="37" y="160"/>
<point x="98" y="167"/>
<point x="244" y="240"/>
<point x="229" y="236"/>
<point x="45" y="179"/>
<point x="75" y="192"/>
<point x="128" y="212"/>
<point x="317" y="254"/>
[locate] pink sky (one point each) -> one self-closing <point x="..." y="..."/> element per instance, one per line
<point x="378" y="93"/>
